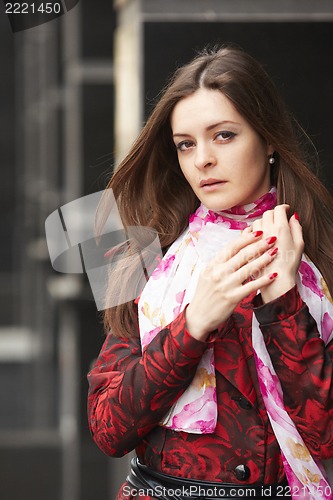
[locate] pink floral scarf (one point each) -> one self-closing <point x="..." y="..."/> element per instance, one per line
<point x="171" y="287"/>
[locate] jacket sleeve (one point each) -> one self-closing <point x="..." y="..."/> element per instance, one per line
<point x="304" y="366"/>
<point x="130" y="392"/>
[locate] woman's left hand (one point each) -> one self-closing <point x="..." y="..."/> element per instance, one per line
<point x="290" y="246"/>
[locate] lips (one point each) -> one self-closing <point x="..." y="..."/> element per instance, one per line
<point x="209" y="182"/>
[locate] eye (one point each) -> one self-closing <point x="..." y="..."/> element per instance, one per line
<point x="225" y="135"/>
<point x="184" y="145"/>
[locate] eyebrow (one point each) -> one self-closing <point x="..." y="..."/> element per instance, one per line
<point x="210" y="127"/>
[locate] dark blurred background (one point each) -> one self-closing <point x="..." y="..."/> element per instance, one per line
<point x="74" y="92"/>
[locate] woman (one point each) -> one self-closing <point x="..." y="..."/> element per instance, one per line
<point x="220" y="373"/>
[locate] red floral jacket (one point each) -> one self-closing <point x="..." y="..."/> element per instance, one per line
<point x="130" y="393"/>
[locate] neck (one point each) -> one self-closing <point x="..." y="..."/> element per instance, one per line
<point x="238" y="217"/>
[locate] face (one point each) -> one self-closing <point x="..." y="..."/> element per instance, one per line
<point x="222" y="157"/>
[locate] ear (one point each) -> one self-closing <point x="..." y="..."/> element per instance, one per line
<point x="270" y="149"/>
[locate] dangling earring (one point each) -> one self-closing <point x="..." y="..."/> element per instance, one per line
<point x="271" y="161"/>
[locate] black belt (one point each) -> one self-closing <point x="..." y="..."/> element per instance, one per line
<point x="166" y="487"/>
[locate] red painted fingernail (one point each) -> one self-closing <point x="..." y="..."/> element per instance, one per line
<point x="273" y="251"/>
<point x="257" y="233"/>
<point x="273" y="276"/>
<point x="296" y="216"/>
<point x="271" y="240"/>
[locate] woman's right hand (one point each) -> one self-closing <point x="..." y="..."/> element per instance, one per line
<point x="221" y="284"/>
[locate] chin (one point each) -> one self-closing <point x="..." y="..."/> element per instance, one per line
<point x="216" y="208"/>
<point x="218" y="205"/>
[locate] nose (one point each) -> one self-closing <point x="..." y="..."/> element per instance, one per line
<point x="204" y="156"/>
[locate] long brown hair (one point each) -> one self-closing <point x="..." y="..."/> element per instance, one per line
<point x="151" y="190"/>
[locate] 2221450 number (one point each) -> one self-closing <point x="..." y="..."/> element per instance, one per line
<point x="33" y="8"/>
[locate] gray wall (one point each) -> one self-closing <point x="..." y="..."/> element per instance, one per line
<point x="57" y="101"/>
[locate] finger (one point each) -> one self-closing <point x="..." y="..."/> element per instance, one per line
<point x="232" y="248"/>
<point x="268" y="221"/>
<point x="253" y="268"/>
<point x="251" y="253"/>
<point x="257" y="284"/>
<point x="296" y="231"/>
<point x="257" y="225"/>
<point x="281" y="215"/>
<point x="247" y="230"/>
